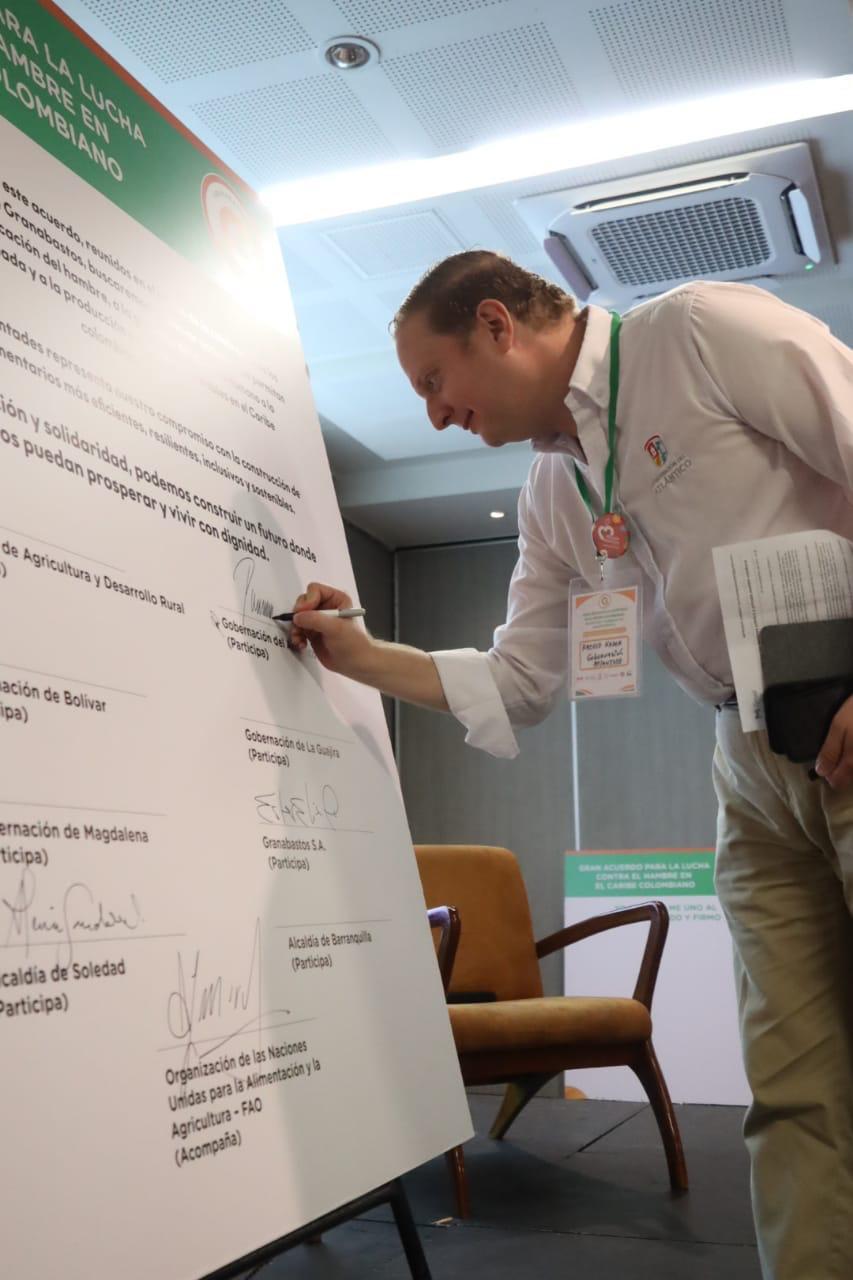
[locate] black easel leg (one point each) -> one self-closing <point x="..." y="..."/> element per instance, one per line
<point x="390" y="1193"/>
<point x="412" y="1246"/>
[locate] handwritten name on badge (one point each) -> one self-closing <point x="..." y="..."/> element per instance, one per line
<point x="605" y="649"/>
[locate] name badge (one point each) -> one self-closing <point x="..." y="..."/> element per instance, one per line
<point x="604" y="636"/>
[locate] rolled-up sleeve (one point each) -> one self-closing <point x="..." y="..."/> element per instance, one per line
<point x="516" y="683"/>
<point x="475" y="701"/>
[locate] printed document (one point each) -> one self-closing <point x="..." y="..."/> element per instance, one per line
<point x="797" y="577"/>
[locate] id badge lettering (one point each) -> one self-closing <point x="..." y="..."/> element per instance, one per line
<point x="605" y="639"/>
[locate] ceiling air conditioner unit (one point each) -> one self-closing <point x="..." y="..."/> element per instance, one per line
<point x="746" y="217"/>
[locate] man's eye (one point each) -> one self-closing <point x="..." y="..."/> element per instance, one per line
<point x="431" y="383"/>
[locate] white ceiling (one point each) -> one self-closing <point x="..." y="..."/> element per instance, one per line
<point x="248" y="76"/>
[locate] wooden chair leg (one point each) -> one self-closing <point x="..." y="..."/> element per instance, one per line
<point x="456" y="1164"/>
<point x="647" y="1069"/>
<point x="518" y="1094"/>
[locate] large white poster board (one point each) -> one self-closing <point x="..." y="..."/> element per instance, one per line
<point x="220" y="1013"/>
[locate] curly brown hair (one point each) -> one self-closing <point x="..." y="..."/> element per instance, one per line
<point x="451" y="291"/>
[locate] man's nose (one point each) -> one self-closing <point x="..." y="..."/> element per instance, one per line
<point x="440" y="414"/>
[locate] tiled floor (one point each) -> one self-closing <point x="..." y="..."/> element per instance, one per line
<point x="577" y="1190"/>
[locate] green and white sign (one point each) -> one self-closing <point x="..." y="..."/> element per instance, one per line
<point x="646" y="874"/>
<point x="694" y="1012"/>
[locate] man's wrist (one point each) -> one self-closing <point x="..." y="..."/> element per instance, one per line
<point x="371" y="663"/>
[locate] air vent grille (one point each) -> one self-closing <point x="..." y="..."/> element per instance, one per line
<point x="672" y="244"/>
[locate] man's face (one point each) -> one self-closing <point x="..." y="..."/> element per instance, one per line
<point x="480" y="383"/>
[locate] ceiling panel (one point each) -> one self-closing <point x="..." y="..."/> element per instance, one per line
<point x="471" y="91"/>
<point x="388" y="245"/>
<point x="179" y="40"/>
<point x="514" y="233"/>
<point x="385" y="15"/>
<point x="660" y="49"/>
<point x="297" y="128"/>
<point x="302" y="276"/>
<point x="332" y="324"/>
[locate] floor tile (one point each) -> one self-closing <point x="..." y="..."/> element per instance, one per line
<point x="464" y="1253"/>
<point x="598" y="1170"/>
<point x="356" y="1249"/>
<point x="576" y="1189"/>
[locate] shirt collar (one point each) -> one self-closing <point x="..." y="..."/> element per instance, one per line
<point x="590" y="379"/>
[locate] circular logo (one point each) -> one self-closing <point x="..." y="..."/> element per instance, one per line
<point x="610" y="535"/>
<point x="230" y="226"/>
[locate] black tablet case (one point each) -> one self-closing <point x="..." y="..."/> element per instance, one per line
<point x="807" y="669"/>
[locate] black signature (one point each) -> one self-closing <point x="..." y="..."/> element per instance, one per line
<point x="307" y="808"/>
<point x="199" y="1003"/>
<point x="81" y="912"/>
<point x="253" y="604"/>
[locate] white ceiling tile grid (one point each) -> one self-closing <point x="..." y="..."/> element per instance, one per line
<point x="510" y="229"/>
<point x="473" y="91"/>
<point x="389" y="245"/>
<point x="662" y="49"/>
<point x="386" y="15"/>
<point x="302" y="276"/>
<point x="297" y="128"/>
<point x="179" y="40"/>
<point x="328" y="327"/>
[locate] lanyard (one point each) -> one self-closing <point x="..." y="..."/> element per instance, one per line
<point x="610" y="469"/>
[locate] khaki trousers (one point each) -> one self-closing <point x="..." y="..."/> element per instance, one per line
<point x="785" y="882"/>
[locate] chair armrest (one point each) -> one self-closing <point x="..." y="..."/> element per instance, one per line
<point x="447" y="919"/>
<point x="658" y="918"/>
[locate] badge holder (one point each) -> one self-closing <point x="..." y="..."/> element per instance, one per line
<point x="605" y="639"/>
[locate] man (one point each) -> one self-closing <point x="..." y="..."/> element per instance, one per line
<point x="752" y="403"/>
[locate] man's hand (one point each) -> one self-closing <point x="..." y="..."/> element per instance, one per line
<point x="340" y="644"/>
<point x="835" y="762"/>
<point x="344" y="646"/>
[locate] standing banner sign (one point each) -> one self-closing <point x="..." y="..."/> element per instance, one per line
<point x="220" y="1011"/>
<point x="694" y="1011"/>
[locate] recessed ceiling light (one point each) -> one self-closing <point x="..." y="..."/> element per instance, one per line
<point x="497" y="515"/>
<point x="348" y="53"/>
<point x="589" y="142"/>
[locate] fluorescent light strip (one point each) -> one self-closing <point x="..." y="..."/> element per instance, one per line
<point x="573" y="146"/>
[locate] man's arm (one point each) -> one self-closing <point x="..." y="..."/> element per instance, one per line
<point x="514" y="684"/>
<point x="344" y="646"/>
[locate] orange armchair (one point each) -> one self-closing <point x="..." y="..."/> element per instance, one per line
<point x="518" y="1036"/>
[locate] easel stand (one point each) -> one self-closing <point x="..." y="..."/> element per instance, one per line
<point x="391" y="1193"/>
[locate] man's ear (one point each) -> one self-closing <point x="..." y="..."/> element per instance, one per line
<point x="497" y="321"/>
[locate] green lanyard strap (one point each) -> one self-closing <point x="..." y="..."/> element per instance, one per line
<point x="610" y="469"/>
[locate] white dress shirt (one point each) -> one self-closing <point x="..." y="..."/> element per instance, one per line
<point x="735" y="421"/>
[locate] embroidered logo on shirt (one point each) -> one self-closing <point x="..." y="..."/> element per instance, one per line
<point x="673" y="472"/>
<point x="656" y="449"/>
